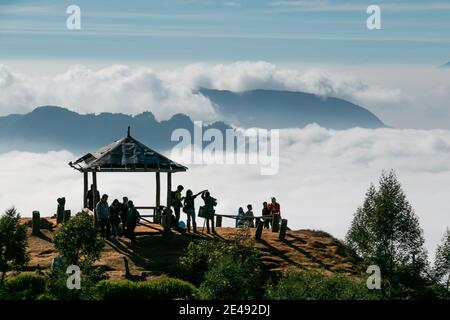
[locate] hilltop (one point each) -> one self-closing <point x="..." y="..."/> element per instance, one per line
<point x="157" y="255"/>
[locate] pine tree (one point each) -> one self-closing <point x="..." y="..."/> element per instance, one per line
<point x="385" y="231"/>
<point x="442" y="261"/>
<point x="13" y="242"/>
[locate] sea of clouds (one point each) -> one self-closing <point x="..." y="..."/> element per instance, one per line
<point x="322" y="179"/>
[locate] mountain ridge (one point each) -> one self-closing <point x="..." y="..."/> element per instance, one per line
<point x="49" y="128"/>
<point x="279" y="109"/>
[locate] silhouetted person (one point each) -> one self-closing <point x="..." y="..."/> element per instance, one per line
<point x="189" y="209"/>
<point x="114" y="211"/>
<point x="176" y="203"/>
<point x="102" y="213"/>
<point x="123" y="215"/>
<point x="90" y="198"/>
<point x="249" y="217"/>
<point x="210" y="203"/>
<point x="266" y="215"/>
<point x="240" y="216"/>
<point x="133" y="218"/>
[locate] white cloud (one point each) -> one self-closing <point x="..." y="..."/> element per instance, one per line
<point x="323" y="177"/>
<point x="399" y="96"/>
<point x="113" y="89"/>
<point x="340" y="6"/>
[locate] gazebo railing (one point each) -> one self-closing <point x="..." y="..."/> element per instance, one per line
<point x="156" y="214"/>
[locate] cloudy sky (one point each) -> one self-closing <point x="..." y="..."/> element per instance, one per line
<point x="158" y="51"/>
<point x="218" y="30"/>
<point x="135" y="56"/>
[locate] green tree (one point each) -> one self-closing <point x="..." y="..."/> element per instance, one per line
<point x="385" y="231"/>
<point x="13" y="242"/>
<point x="442" y="261"/>
<point x="78" y="241"/>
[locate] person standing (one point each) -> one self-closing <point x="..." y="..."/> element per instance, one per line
<point x="115" y="210"/>
<point x="133" y="218"/>
<point x="102" y="213"/>
<point x="274" y="209"/>
<point x="123" y="215"/>
<point x="176" y="203"/>
<point x="249" y="217"/>
<point x="240" y="216"/>
<point x="266" y="215"/>
<point x="209" y="211"/>
<point x="189" y="209"/>
<point x="90" y="198"/>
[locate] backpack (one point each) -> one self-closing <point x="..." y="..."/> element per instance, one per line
<point x="173" y="201"/>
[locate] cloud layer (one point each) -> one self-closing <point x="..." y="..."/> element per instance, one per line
<point x="399" y="96"/>
<point x="323" y="177"/>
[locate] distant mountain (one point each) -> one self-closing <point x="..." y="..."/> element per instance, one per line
<point x="54" y="128"/>
<point x="285" y="109"/>
<point x="446" y="65"/>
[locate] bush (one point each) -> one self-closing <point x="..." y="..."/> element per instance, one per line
<point x="232" y="278"/>
<point x="201" y="256"/>
<point x="56" y="285"/>
<point x="160" y="289"/>
<point x="78" y="241"/>
<point x="195" y="263"/>
<point x="312" y="285"/>
<point x="25" y="286"/>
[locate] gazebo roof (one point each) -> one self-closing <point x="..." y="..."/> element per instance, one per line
<point x="126" y="155"/>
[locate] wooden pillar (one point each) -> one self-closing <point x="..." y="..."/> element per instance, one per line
<point x="275" y="223"/>
<point x="283" y="229"/>
<point x="157" y="217"/>
<point x="127" y="269"/>
<point x="94" y="183"/>
<point x="167" y="217"/>
<point x="60" y="210"/>
<point x="219" y="221"/>
<point x="36" y="223"/>
<point x="67" y="214"/>
<point x="94" y="191"/>
<point x="259" y="228"/>
<point x="85" y="189"/>
<point x="169" y="189"/>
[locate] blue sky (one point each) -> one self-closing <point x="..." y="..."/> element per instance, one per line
<point x="413" y="32"/>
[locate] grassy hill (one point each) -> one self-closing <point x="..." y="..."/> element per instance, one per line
<point x="156" y="254"/>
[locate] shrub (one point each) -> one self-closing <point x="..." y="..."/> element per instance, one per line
<point x="312" y="285"/>
<point x="78" y="241"/>
<point x="56" y="285"/>
<point x="231" y="277"/>
<point x="161" y="289"/>
<point x="25" y="286"/>
<point x="203" y="255"/>
<point x="195" y="263"/>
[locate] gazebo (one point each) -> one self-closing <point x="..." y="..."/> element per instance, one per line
<point x="127" y="155"/>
